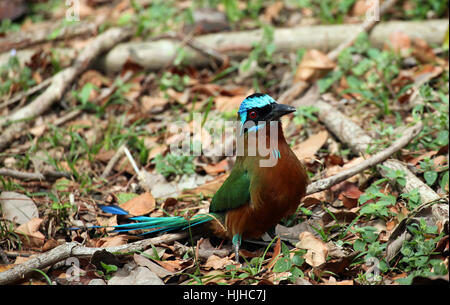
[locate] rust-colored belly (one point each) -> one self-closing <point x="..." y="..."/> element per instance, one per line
<point x="276" y="194"/>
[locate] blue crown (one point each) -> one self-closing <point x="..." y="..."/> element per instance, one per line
<point x="257" y="100"/>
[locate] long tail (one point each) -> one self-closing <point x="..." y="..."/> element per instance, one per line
<point x="158" y="224"/>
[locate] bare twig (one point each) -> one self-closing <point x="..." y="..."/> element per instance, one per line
<point x="33" y="176"/>
<point x="113" y="161"/>
<point x="326" y="183"/>
<point x="29" y="92"/>
<point x="67" y="117"/>
<point x="74" y="249"/>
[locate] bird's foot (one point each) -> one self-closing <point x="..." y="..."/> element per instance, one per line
<point x="236" y="243"/>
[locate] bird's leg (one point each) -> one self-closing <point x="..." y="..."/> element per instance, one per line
<point x="237" y="239"/>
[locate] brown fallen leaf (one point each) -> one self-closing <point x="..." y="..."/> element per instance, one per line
<point x="175" y="265"/>
<point x="315" y="198"/>
<point x="317" y="250"/>
<point x="156" y="150"/>
<point x="424" y="53"/>
<point x="272" y="11"/>
<point x="206" y="249"/>
<point x="32" y="238"/>
<point x="349" y="195"/>
<point x="124" y="165"/>
<point x="332" y="281"/>
<point x="275" y="255"/>
<point x="104" y="156"/>
<point x="111" y="241"/>
<point x="360" y="8"/>
<point x="94" y="77"/>
<point x="399" y="42"/>
<point x="140" y="205"/>
<point x="228" y="103"/>
<point x="333" y="170"/>
<point x="209" y="188"/>
<point x="314" y="65"/>
<point x="428" y="154"/>
<point x="215" y="169"/>
<point x="39" y="130"/>
<point x="215" y="262"/>
<point x="49" y="244"/>
<point x="3" y="268"/>
<point x="145" y="262"/>
<point x="308" y="148"/>
<point x="21" y="259"/>
<point x="153" y="104"/>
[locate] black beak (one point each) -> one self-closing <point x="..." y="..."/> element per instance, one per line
<point x="278" y="110"/>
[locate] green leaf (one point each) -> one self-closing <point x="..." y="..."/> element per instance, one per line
<point x="124" y="19"/>
<point x="124" y="197"/>
<point x="282" y="265"/>
<point x="430" y="177"/>
<point x="442" y="137"/>
<point x="444" y="181"/>
<point x="85" y="93"/>
<point x="359" y="245"/>
<point x="109" y="268"/>
<point x="298" y="260"/>
<point x="53" y="35"/>
<point x="284" y="249"/>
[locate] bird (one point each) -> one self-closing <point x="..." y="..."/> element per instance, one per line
<point x="254" y="198"/>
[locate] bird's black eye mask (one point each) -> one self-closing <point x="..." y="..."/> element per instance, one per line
<point x="259" y="114"/>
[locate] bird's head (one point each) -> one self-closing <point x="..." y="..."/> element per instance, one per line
<point x="260" y="107"/>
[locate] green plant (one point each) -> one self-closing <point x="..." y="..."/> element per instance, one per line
<point x="159" y="17"/>
<point x="431" y="172"/>
<point x="416" y="253"/>
<point x="7" y="26"/>
<point x="175" y="81"/>
<point x="8" y="238"/>
<point x="14" y="77"/>
<point x="305" y="114"/>
<point x="47" y="279"/>
<point x="395" y="175"/>
<point x="108" y="270"/>
<point x="368" y="74"/>
<point x="174" y="165"/>
<point x="421" y="9"/>
<point x="262" y="51"/>
<point x="375" y="203"/>
<point x="328" y="11"/>
<point x="413" y="199"/>
<point x="434" y="113"/>
<point x="286" y="263"/>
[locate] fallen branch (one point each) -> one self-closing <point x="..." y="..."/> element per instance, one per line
<point x="47" y="175"/>
<point x="326" y="183"/>
<point x="339" y="124"/>
<point x="358" y="140"/>
<point x="155" y="55"/>
<point x="74" y="249"/>
<point x="62" y="80"/>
